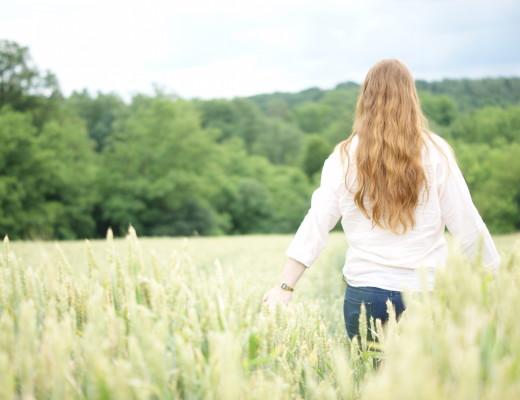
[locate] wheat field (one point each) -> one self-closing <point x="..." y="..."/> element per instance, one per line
<point x="168" y="318"/>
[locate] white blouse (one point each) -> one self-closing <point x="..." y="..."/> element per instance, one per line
<point x="378" y="257"/>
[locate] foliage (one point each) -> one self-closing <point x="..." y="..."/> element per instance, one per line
<point x="491" y="125"/>
<point x="251" y="207"/>
<point x="474" y="94"/>
<point x="494" y="177"/>
<point x="23" y="87"/>
<point x="20" y="169"/>
<point x="238" y="118"/>
<point x="99" y="113"/>
<point x="45" y="179"/>
<point x="311" y="117"/>
<point x="316" y="150"/>
<point x="265" y="101"/>
<point x="280" y="142"/>
<point x="70" y="167"/>
<point x="73" y="167"/>
<point x="159" y="165"/>
<point x="441" y="109"/>
<point x="288" y="192"/>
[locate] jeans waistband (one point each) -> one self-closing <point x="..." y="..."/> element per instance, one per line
<point x="373" y="290"/>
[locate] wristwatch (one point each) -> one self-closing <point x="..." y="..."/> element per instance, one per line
<point x="285" y="286"/>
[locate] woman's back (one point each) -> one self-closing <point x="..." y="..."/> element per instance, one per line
<point x="382" y="258"/>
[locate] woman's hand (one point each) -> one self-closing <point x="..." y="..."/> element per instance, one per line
<point x="292" y="271"/>
<point x="277" y="296"/>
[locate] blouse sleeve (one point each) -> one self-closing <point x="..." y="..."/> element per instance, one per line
<point x="312" y="235"/>
<point x="461" y="216"/>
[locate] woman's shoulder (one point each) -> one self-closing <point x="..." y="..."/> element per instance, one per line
<point x="346" y="150"/>
<point x="436" y="147"/>
<point x="335" y="166"/>
<point x="436" y="140"/>
<point x="335" y="160"/>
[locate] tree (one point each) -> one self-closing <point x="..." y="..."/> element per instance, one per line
<point x="291" y="192"/>
<point x="159" y="170"/>
<point x="23" y="86"/>
<point x="470" y="95"/>
<point x="249" y="123"/>
<point x="21" y="196"/>
<point x="280" y="143"/>
<point x="441" y="109"/>
<point x="99" y="113"/>
<point x="312" y="117"/>
<point x="489" y="125"/>
<point x="71" y="166"/>
<point x="46" y="179"/>
<point x="251" y="208"/>
<point x="239" y="118"/>
<point x="316" y="151"/>
<point x="219" y="115"/>
<point x="493" y="176"/>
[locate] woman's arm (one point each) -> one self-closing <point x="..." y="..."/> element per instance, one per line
<point x="312" y="235"/>
<point x="291" y="273"/>
<point x="461" y="216"/>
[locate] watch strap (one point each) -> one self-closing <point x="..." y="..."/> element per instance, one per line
<point x="285" y="286"/>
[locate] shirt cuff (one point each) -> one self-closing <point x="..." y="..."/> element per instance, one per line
<point x="300" y="255"/>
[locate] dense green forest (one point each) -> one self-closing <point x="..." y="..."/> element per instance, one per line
<point x="70" y="167"/>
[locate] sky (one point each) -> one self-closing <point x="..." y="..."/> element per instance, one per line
<point x="214" y="49"/>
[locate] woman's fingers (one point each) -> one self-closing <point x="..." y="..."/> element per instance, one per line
<point x="277" y="296"/>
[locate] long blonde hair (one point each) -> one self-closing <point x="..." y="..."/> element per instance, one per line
<point x="389" y="125"/>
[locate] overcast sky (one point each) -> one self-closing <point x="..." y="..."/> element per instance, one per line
<point x="200" y="48"/>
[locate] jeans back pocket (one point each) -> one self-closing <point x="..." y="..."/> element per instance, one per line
<point x="352" y="312"/>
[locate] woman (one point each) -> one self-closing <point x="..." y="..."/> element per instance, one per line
<point x="395" y="186"/>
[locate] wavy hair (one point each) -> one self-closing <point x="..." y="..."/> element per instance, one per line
<point x="389" y="125"/>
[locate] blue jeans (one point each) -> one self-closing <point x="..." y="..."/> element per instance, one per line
<point x="375" y="304"/>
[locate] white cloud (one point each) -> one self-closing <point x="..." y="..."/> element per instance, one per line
<point x="230" y="48"/>
<point x="240" y="76"/>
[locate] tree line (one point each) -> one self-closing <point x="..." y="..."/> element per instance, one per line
<point x="71" y="167"/>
